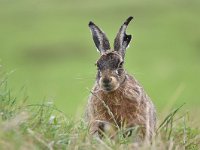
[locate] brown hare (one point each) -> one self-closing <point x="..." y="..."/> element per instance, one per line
<point x="117" y="100"/>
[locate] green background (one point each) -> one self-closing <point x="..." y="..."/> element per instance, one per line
<point x="48" y="53"/>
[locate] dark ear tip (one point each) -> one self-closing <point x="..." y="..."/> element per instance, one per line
<point x="128" y="20"/>
<point x="90" y="23"/>
<point x="129" y="36"/>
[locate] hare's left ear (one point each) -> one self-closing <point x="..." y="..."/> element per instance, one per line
<point x="99" y="37"/>
<point x="122" y="40"/>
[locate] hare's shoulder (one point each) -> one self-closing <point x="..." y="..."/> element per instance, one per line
<point x="132" y="89"/>
<point x="135" y="92"/>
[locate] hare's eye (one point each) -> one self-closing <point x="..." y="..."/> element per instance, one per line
<point x="120" y="64"/>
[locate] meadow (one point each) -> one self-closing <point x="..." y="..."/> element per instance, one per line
<point x="47" y="54"/>
<point x="43" y="126"/>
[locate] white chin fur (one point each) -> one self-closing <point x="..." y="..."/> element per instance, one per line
<point x="113" y="88"/>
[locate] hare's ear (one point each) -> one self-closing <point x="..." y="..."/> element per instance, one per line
<point x="99" y="37"/>
<point x="122" y="40"/>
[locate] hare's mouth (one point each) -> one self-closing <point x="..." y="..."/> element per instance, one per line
<point x="109" y="87"/>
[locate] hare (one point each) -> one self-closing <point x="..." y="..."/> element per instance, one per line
<point x="117" y="100"/>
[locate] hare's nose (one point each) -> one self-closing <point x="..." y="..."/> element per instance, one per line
<point x="107" y="80"/>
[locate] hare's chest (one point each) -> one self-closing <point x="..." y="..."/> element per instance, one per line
<point x="117" y="108"/>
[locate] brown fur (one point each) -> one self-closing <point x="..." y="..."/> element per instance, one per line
<point x="117" y="100"/>
<point x="129" y="104"/>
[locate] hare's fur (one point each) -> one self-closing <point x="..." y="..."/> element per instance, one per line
<point x="125" y="107"/>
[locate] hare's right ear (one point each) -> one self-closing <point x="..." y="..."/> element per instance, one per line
<point x="99" y="37"/>
<point x="122" y="40"/>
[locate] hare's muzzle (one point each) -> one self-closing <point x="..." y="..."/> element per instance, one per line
<point x="108" y="83"/>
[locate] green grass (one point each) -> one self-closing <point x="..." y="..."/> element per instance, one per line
<point x="44" y="126"/>
<point x="48" y="52"/>
<point x="48" y="44"/>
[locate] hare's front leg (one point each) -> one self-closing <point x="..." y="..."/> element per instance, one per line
<point x="99" y="128"/>
<point x="89" y="118"/>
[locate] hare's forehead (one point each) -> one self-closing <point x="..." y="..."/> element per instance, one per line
<point x="109" y="61"/>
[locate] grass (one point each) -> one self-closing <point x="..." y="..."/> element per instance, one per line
<point x="49" y="46"/>
<point x="44" y="126"/>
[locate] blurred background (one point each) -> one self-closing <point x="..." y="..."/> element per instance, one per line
<point x="47" y="49"/>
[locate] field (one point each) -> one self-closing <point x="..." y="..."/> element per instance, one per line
<point x="48" y="56"/>
<point x="43" y="126"/>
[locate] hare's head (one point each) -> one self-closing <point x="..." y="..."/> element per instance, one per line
<point x="110" y="73"/>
